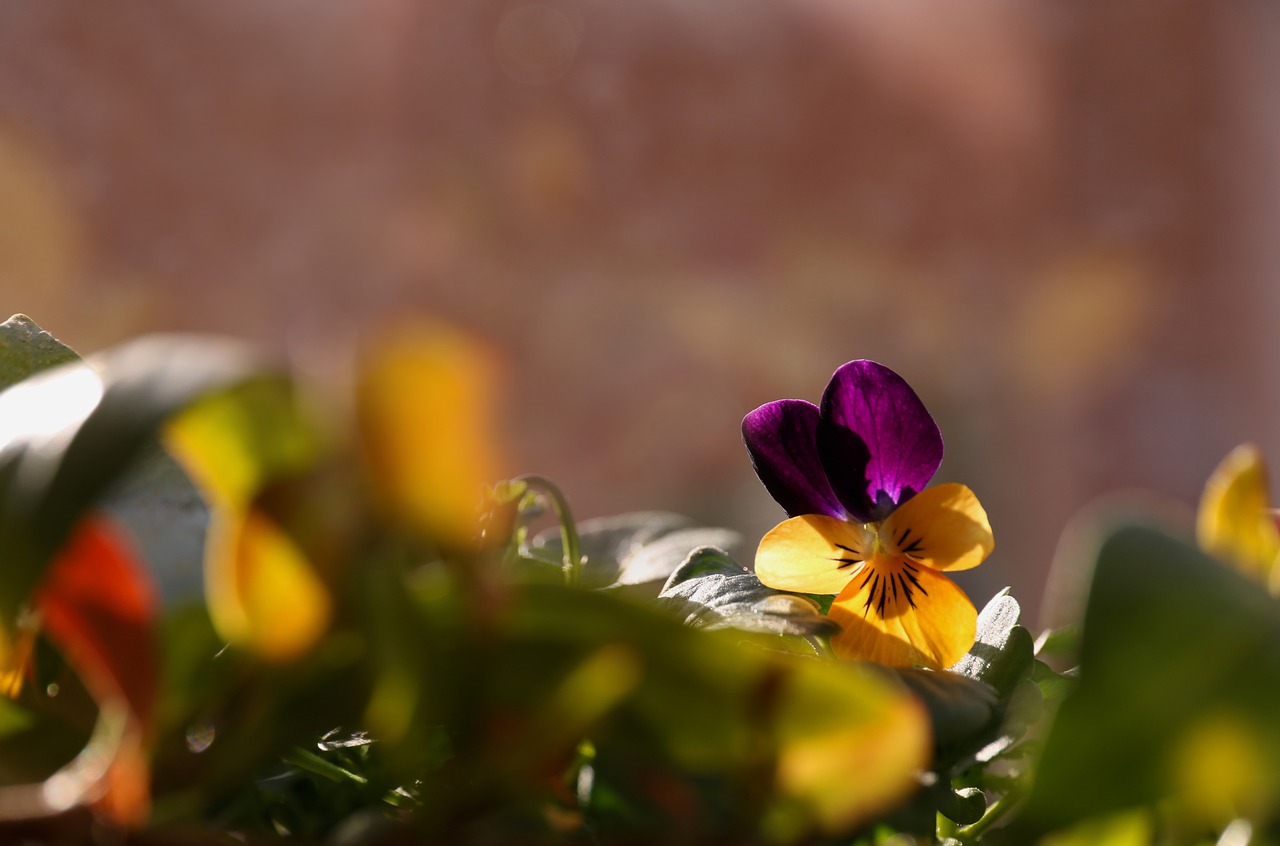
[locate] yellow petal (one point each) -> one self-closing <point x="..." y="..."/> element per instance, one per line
<point x="262" y="592"/>
<point x="812" y="553"/>
<point x="879" y="623"/>
<point x="426" y="409"/>
<point x="943" y="527"/>
<point x="1233" y="522"/>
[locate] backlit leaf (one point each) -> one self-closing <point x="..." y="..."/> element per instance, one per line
<point x="26" y="349"/>
<point x="262" y="591"/>
<point x="1003" y="651"/>
<point x="711" y="590"/>
<point x="68" y="434"/>
<point x="1173" y="646"/>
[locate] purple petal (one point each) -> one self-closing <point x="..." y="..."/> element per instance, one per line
<point x="782" y="438"/>
<point x="878" y="444"/>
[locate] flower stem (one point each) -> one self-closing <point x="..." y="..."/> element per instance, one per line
<point x="569" y="541"/>
<point x="313" y="763"/>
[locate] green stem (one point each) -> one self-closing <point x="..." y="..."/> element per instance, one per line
<point x="946" y="828"/>
<point x="568" y="529"/>
<point x="313" y="763"/>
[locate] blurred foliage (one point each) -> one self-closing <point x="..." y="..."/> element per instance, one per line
<point x="386" y="652"/>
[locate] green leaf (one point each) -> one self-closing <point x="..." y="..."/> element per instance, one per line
<point x="710" y="590"/>
<point x="749" y="739"/>
<point x="1178" y="655"/>
<point x="155" y="500"/>
<point x="964" y="806"/>
<point x="26" y="349"/>
<point x="33" y="744"/>
<point x="1053" y="685"/>
<point x="279" y="520"/>
<point x="959" y="707"/>
<point x="703" y="701"/>
<point x="1003" y="651"/>
<point x="1060" y="644"/>
<point x="640" y="548"/>
<point x="68" y="434"/>
<point x="167" y="518"/>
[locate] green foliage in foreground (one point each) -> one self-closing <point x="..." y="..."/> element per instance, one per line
<point x="624" y="680"/>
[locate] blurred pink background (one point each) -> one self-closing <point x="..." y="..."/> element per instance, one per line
<point x="1060" y="222"/>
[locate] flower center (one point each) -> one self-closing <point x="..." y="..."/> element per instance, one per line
<point x="888" y="568"/>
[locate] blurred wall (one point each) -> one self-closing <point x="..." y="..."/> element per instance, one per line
<point x="1057" y="221"/>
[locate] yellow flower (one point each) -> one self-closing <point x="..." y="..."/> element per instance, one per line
<point x="425" y="405"/>
<point x="1235" y="521"/>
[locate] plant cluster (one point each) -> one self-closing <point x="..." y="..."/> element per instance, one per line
<point x="233" y="612"/>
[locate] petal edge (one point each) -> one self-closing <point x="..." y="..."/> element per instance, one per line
<point x="946" y="525"/>
<point x="878" y="443"/>
<point x="804" y="554"/>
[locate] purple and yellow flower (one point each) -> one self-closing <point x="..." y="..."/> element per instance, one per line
<point x="851" y="475"/>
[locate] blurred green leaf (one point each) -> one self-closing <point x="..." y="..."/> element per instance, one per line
<point x="235" y="443"/>
<point x="68" y="434"/>
<point x="1128" y="828"/>
<point x="238" y="440"/>
<point x="155" y="500"/>
<point x="710" y="590"/>
<point x="959" y="707"/>
<point x="1178" y="654"/>
<point x="34" y="742"/>
<point x="13" y="718"/>
<point x="166" y="517"/>
<point x="1054" y="686"/>
<point x="1060" y="644"/>
<point x="671" y="712"/>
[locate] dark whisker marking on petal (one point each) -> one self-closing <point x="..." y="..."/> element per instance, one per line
<point x="894" y="583"/>
<point x="845" y="562"/>
<point x="903" y="536"/>
<point x="848" y="549"/>
<point x="907" y="590"/>
<point x="917" y="584"/>
<point x="915" y="546"/>
<point x="870" y="573"/>
<point x="871" y="597"/>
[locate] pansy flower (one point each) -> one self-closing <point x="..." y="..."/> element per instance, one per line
<point x="851" y="474"/>
<point x="1236" y="522"/>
